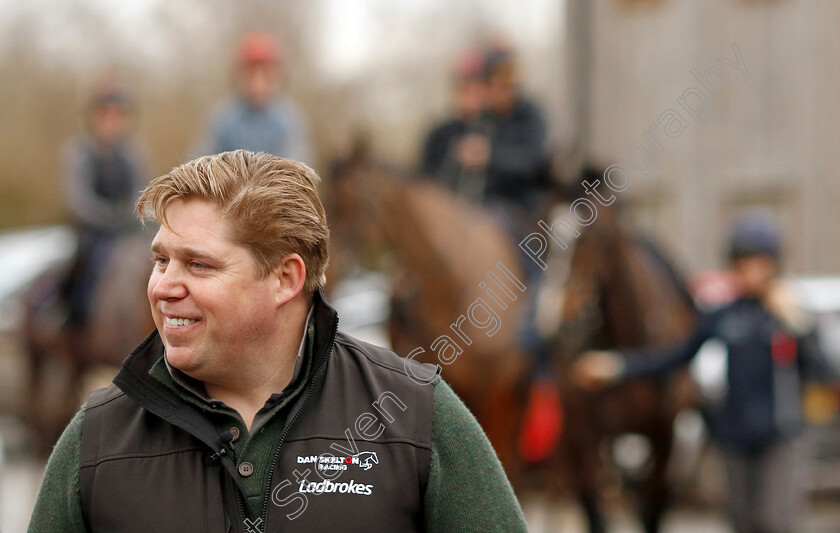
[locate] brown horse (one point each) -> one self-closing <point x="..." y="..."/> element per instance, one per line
<point x="59" y="356"/>
<point x="443" y="255"/>
<point x="609" y="291"/>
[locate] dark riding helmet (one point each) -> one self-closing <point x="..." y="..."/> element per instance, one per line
<point x="754" y="234"/>
<point x="499" y="63"/>
<point x="110" y="93"/>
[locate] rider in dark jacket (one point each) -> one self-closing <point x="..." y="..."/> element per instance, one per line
<point x="456" y="150"/>
<point x="518" y="158"/>
<point x="104" y="172"/>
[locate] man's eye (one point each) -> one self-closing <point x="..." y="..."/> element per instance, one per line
<point x="160" y="262"/>
<point x="198" y="266"/>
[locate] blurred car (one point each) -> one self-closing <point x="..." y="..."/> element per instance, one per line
<point x="27" y="253"/>
<point x="821" y="296"/>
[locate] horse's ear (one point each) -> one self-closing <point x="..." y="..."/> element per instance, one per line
<point x="359" y="156"/>
<point x="571" y="190"/>
<point x="361" y="147"/>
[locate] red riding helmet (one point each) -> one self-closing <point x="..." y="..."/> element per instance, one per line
<point x="258" y="47"/>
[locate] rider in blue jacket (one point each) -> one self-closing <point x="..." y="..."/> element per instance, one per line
<point x="260" y="117"/>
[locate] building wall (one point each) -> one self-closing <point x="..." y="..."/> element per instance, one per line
<point x="767" y="141"/>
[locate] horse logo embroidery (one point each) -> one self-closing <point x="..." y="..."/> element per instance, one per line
<point x="365" y="460"/>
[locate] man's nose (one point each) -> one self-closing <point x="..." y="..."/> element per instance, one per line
<point x="169" y="284"/>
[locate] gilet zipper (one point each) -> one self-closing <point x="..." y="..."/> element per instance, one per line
<point x="308" y="392"/>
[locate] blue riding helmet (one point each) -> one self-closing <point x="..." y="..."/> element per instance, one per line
<point x="754" y="234"/>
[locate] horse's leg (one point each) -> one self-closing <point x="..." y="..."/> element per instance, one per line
<point x="583" y="462"/>
<point x="78" y="364"/>
<point x="592" y="510"/>
<point x="655" y="494"/>
<point x="35" y="406"/>
<point x="52" y="395"/>
<point x="511" y="404"/>
<point x="580" y="445"/>
<point x="497" y="413"/>
<point x="61" y="369"/>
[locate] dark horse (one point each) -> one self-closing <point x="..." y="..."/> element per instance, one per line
<point x="609" y="290"/>
<point x="59" y="356"/>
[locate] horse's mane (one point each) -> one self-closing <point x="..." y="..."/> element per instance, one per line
<point x="466" y="240"/>
<point x="660" y="302"/>
<point x="673" y="276"/>
<point x="445" y="247"/>
<point x="640" y="293"/>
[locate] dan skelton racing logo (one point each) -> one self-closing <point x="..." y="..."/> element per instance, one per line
<point x="332" y="463"/>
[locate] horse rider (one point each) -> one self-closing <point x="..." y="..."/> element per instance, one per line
<point x="247" y="410"/>
<point x="104" y="170"/>
<point x="259" y="117"/>
<point x="771" y="348"/>
<point x="516" y="183"/>
<point x="456" y="151"/>
<point x="518" y="160"/>
<point x="494" y="153"/>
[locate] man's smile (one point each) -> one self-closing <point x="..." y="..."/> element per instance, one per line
<point x="177" y="321"/>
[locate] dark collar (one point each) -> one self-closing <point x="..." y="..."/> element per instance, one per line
<point x="136" y="382"/>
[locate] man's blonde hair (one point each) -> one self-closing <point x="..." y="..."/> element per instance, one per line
<point x="271" y="204"/>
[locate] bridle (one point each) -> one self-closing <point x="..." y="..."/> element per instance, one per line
<point x="575" y="316"/>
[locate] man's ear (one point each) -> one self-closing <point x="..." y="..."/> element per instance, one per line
<point x="290" y="274"/>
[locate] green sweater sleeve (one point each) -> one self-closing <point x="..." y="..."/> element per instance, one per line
<point x="468" y="489"/>
<point x="58" y="508"/>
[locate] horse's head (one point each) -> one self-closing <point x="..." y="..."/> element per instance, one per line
<point x="587" y="271"/>
<point x="613" y="291"/>
<point x="581" y="279"/>
<point x="353" y="199"/>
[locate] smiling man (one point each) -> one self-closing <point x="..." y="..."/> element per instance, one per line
<point x="246" y="410"/>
